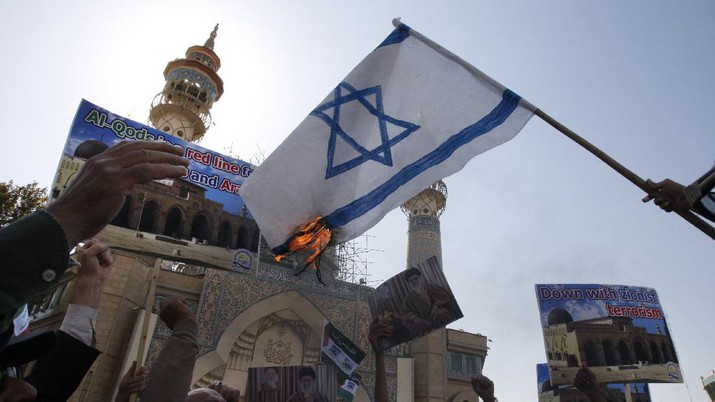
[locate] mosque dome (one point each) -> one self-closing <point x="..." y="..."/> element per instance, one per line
<point x="90" y="148"/>
<point x="559" y="316"/>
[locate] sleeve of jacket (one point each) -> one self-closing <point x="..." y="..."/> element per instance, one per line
<point x="169" y="379"/>
<point x="58" y="374"/>
<point x="34" y="256"/>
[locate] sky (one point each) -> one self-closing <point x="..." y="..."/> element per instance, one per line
<point x="634" y="78"/>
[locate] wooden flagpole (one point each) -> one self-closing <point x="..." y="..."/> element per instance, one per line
<point x="148" y="307"/>
<point x="625" y="172"/>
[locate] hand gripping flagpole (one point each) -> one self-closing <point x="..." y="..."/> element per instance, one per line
<point x="625" y="172"/>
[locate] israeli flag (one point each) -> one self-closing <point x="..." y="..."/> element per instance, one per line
<point x="409" y="114"/>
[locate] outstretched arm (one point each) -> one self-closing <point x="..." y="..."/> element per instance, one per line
<point x="169" y="378"/>
<point x="379" y="330"/>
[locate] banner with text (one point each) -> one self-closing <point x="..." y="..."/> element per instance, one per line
<point x="95" y="129"/>
<point x="619" y="332"/>
<point x="204" y="207"/>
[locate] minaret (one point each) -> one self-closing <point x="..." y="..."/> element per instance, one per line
<point x="423" y="212"/>
<point x="183" y="107"/>
<point x="424" y="241"/>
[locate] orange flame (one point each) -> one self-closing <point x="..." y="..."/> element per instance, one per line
<point x="314" y="236"/>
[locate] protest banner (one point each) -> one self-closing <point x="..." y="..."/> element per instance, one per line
<point x="203" y="207"/>
<point x="618" y="331"/>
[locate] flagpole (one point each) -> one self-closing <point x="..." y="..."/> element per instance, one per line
<point x="625" y="172"/>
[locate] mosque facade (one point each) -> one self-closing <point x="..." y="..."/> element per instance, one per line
<point x="252" y="311"/>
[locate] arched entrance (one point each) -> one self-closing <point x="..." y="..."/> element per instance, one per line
<point x="172" y="227"/>
<point x="224" y="235"/>
<point x="122" y="218"/>
<point x="286" y="319"/>
<point x="149" y="213"/>
<point x="608" y="353"/>
<point x="200" y="228"/>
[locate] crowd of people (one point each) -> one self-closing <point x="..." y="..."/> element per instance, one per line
<point x="81" y="211"/>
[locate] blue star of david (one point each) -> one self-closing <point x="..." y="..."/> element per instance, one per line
<point x="346" y="93"/>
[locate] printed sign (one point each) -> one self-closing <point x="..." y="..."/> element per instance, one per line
<point x="292" y="383"/>
<point x="414" y="302"/>
<point x="619" y="332"/>
<point x="95" y="129"/>
<point x="203" y="208"/>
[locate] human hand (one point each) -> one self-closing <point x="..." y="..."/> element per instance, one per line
<point x="483" y="387"/>
<point x="95" y="263"/>
<point x="587" y="383"/>
<point x="230" y="394"/>
<point x="668" y="195"/>
<point x="97" y="193"/>
<point x="174" y="310"/>
<point x="379" y="329"/>
<point x="131" y="383"/>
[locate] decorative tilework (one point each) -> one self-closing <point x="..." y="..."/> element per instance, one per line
<point x="225" y="295"/>
<point x="193" y="76"/>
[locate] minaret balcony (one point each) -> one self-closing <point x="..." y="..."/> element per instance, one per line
<point x="185" y="102"/>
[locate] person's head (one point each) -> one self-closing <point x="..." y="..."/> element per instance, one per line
<point x="270" y="375"/>
<point x="204" y="395"/>
<point x="413" y="276"/>
<point x="306" y="375"/>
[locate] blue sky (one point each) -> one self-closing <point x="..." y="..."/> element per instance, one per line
<point x="634" y="78"/>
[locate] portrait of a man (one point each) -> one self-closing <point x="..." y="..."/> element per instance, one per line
<point x="414" y="303"/>
<point x="308" y="390"/>
<point x="269" y="381"/>
<point x="426" y="306"/>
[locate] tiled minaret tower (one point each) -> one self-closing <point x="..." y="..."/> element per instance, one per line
<point x="423" y="211"/>
<point x="183" y="107"/>
<point x="424" y="241"/>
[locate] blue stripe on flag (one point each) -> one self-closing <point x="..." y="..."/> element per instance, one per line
<point x="343" y="215"/>
<point x="357" y="208"/>
<point x="400" y="33"/>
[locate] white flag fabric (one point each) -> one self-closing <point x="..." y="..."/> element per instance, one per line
<point x="409" y="114"/>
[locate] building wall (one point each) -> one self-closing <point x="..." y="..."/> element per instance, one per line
<point x="709" y="385"/>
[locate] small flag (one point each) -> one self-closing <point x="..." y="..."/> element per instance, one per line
<point x="339" y="350"/>
<point x="409" y="114"/>
<point x="21" y="320"/>
<point x="349" y="387"/>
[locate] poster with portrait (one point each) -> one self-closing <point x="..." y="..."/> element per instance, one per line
<point x="202" y="208"/>
<point x="292" y="383"/>
<point x="618" y="331"/>
<point x="614" y="392"/>
<point x="414" y="303"/>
